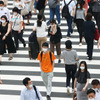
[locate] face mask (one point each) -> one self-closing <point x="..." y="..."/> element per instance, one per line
<point x="82" y="68"/>
<point x="78" y="7"/>
<point x="30" y="86"/>
<point x="1" y="8"/>
<point x="91" y="99"/>
<point x="3" y="21"/>
<point x="14" y="14"/>
<point x="45" y="49"/>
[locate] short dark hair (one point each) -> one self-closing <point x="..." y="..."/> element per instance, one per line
<point x="15" y="9"/>
<point x="25" y="81"/>
<point x="4" y="17"/>
<point x="90" y="91"/>
<point x="1" y="2"/>
<point x="53" y="21"/>
<point x="45" y="44"/>
<point x="95" y="82"/>
<point x="88" y="17"/>
<point x="68" y="44"/>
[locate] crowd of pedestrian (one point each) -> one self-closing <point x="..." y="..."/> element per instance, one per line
<point x="79" y="12"/>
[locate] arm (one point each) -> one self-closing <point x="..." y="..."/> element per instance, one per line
<point x="20" y="27"/>
<point x="53" y="63"/>
<point x="86" y="85"/>
<point x="45" y="2"/>
<point x="75" y="84"/>
<point x="0" y="81"/>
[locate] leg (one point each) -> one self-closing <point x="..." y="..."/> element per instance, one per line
<point x="15" y="33"/>
<point x="51" y="47"/>
<point x="49" y="86"/>
<point x="0" y="58"/>
<point x="57" y="12"/>
<point x="39" y="42"/>
<point x="20" y="37"/>
<point x="42" y="13"/>
<point x="74" y="68"/>
<point x="68" y="75"/>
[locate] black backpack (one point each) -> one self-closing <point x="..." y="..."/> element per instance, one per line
<point x="49" y="54"/>
<point x="65" y="10"/>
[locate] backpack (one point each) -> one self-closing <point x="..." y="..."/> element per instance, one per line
<point x="49" y="54"/>
<point x="65" y="10"/>
<point x="36" y="92"/>
<point x="52" y="3"/>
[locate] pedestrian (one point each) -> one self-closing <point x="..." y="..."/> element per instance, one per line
<point x="82" y="78"/>
<point x="6" y="38"/>
<point x="91" y="94"/>
<point x="40" y="28"/>
<point x="30" y="92"/>
<point x="19" y="4"/>
<point x="17" y="27"/>
<point x="69" y="20"/>
<point x="55" y="38"/>
<point x="70" y="58"/>
<point x="46" y="59"/>
<point x="41" y="7"/>
<point x="89" y="31"/>
<point x="0" y="81"/>
<point x="96" y="86"/>
<point x="5" y="2"/>
<point x="4" y="11"/>
<point x="35" y="6"/>
<point x="86" y="5"/>
<point x="28" y="7"/>
<point x="54" y="6"/>
<point x="79" y="14"/>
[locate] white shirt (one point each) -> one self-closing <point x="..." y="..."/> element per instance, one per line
<point x="16" y="22"/>
<point x="97" y="95"/>
<point x="16" y="4"/>
<point x="41" y="31"/>
<point x="30" y="94"/>
<point x="5" y="12"/>
<point x="70" y="6"/>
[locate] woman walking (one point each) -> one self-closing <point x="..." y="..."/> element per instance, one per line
<point x="82" y="76"/>
<point x="5" y="38"/>
<point x="55" y="38"/>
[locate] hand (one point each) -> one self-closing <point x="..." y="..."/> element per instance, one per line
<point x="0" y="33"/>
<point x="20" y="5"/>
<point x="4" y="37"/>
<point x="19" y="31"/>
<point x="0" y="82"/>
<point x="98" y="45"/>
<point x="83" y="89"/>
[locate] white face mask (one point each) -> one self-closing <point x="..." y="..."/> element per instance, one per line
<point x="14" y="14"/>
<point x="3" y="21"/>
<point x="30" y="86"/>
<point x="82" y="68"/>
<point x="91" y="99"/>
<point x="45" y="49"/>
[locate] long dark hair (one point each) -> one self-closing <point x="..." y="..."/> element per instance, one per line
<point x="85" y="70"/>
<point x="81" y="6"/>
<point x="39" y="22"/>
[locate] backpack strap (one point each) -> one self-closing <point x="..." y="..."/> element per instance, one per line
<point x="68" y="3"/>
<point x="36" y="92"/>
<point x="49" y="54"/>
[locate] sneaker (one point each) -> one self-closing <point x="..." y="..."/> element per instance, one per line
<point x="59" y="61"/>
<point x="80" y="44"/>
<point x="59" y="24"/>
<point x="48" y="97"/>
<point x="68" y="91"/>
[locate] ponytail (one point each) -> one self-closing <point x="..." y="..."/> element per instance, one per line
<point x="39" y="23"/>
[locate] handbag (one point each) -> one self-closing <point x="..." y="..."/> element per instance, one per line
<point x="97" y="35"/>
<point x="74" y="96"/>
<point x="24" y="12"/>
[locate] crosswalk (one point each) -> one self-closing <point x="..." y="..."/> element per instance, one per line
<point x="14" y="71"/>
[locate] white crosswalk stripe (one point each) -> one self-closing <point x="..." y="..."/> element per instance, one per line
<point x="12" y="72"/>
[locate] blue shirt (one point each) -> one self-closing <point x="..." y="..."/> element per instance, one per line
<point x="30" y="94"/>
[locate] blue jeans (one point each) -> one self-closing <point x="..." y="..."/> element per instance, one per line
<point x="69" y="22"/>
<point x="55" y="11"/>
<point x="35" y="4"/>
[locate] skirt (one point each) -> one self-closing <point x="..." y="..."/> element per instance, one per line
<point x="81" y="95"/>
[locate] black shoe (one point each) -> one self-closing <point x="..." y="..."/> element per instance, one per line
<point x="90" y="59"/>
<point x="24" y="45"/>
<point x="71" y="30"/>
<point x="48" y="97"/>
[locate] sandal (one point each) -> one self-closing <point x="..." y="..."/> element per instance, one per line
<point x="10" y="58"/>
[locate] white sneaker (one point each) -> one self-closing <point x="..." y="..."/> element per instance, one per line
<point x="68" y="90"/>
<point x="80" y="44"/>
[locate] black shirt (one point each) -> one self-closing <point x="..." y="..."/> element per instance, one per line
<point x="81" y="79"/>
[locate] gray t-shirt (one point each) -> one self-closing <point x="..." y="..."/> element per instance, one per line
<point x="69" y="56"/>
<point x="80" y="14"/>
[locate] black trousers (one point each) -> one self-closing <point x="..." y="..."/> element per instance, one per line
<point x="70" y="73"/>
<point x="97" y="18"/>
<point x="90" y="44"/>
<point x="79" y="24"/>
<point x="18" y="36"/>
